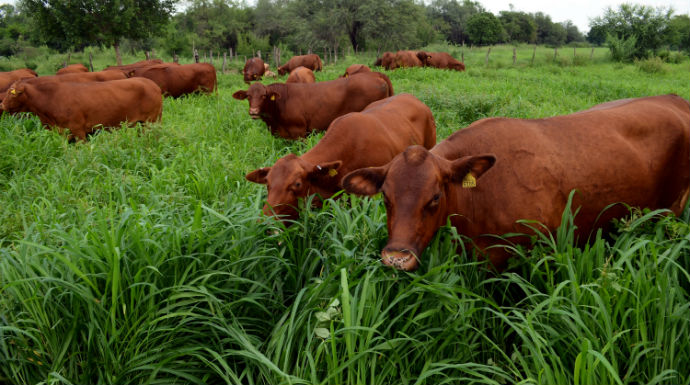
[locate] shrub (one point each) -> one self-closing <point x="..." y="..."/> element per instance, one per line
<point x="621" y="49"/>
<point x="652" y="65"/>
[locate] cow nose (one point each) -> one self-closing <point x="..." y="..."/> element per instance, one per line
<point x="400" y="259"/>
<point x="254" y="112"/>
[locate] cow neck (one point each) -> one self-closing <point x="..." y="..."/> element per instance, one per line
<point x="322" y="153"/>
<point x="32" y="92"/>
<point x="271" y="114"/>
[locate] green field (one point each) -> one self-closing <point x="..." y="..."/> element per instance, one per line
<point x="138" y="257"/>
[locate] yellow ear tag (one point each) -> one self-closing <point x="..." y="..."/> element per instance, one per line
<point x="273" y="97"/>
<point x="332" y="172"/>
<point x="13" y="91"/>
<point x="469" y="181"/>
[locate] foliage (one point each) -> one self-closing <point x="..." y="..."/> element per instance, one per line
<point x="649" y="26"/>
<point x="484" y="29"/>
<point x="679" y="33"/>
<point x="518" y="26"/>
<point x="622" y="49"/>
<point x="652" y="65"/>
<point x="450" y="18"/>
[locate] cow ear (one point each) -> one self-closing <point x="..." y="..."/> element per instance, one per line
<point x="240" y="95"/>
<point x="273" y="96"/>
<point x="365" y="181"/>
<point x="130" y="74"/>
<point x="326" y="169"/>
<point x="258" y="176"/>
<point x="468" y="169"/>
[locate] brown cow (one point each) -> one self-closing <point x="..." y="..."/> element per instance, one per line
<point x="440" y="60"/>
<point x="386" y="60"/>
<point x="301" y="75"/>
<point x="254" y="69"/>
<point x="356" y="140"/>
<point x="355" y="69"/>
<point x="311" y="61"/>
<point x="80" y="77"/>
<point x="72" y="69"/>
<point x="405" y="59"/>
<point x="498" y="171"/>
<point x="293" y="110"/>
<point x="177" y="80"/>
<point x="7" y="78"/>
<point x="128" y="68"/>
<point x="82" y="107"/>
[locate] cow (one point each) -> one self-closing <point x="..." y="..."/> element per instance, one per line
<point x="128" y="68"/>
<point x="80" y="77"/>
<point x="405" y="59"/>
<point x="292" y="110"/>
<point x="72" y="69"/>
<point x="355" y="140"/>
<point x="83" y="107"/>
<point x="441" y="60"/>
<point x="177" y="80"/>
<point x="7" y="78"/>
<point x="386" y="60"/>
<point x="311" y="61"/>
<point x="355" y="69"/>
<point x="301" y="75"/>
<point x="254" y="69"/>
<point x="498" y="171"/>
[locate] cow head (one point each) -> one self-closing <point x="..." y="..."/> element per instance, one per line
<point x="259" y="97"/>
<point x="14" y="96"/>
<point x="424" y="57"/>
<point x="418" y="191"/>
<point x="290" y="179"/>
<point x="282" y="70"/>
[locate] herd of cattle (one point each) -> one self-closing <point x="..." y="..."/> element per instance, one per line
<point x="484" y="178"/>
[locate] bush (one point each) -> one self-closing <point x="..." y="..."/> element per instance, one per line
<point x="621" y="49"/>
<point x="652" y="65"/>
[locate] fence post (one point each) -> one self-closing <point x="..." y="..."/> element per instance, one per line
<point x="224" y="60"/>
<point x="196" y="56"/>
<point x="574" y="48"/>
<point x="514" y="56"/>
<point x="175" y="58"/>
<point x="148" y="57"/>
<point x="91" y="61"/>
<point x="591" y="54"/>
<point x="555" y="53"/>
<point x="210" y="54"/>
<point x="462" y="56"/>
<point x="534" y="53"/>
<point x="486" y="60"/>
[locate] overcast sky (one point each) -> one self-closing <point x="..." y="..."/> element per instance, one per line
<point x="580" y="12"/>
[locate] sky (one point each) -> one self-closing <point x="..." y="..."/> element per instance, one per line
<point x="579" y="12"/>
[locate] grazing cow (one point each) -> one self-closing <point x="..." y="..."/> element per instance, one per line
<point x="440" y="60"/>
<point x="355" y="69"/>
<point x="82" y="107"/>
<point x="356" y="140"/>
<point x="311" y="61"/>
<point x="301" y="75"/>
<point x="292" y="110"/>
<point x="72" y="69"/>
<point x="386" y="60"/>
<point x="177" y="80"/>
<point x="7" y="78"/>
<point x="498" y="171"/>
<point x="128" y="68"/>
<point x="254" y="69"/>
<point x="80" y="77"/>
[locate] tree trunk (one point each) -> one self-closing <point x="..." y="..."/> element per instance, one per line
<point x="117" y="53"/>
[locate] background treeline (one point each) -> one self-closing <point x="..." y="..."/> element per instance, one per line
<point x="632" y="31"/>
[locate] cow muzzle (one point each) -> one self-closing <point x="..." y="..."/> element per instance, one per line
<point x="254" y="113"/>
<point x="404" y="260"/>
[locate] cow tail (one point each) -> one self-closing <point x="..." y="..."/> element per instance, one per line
<point x="388" y="81"/>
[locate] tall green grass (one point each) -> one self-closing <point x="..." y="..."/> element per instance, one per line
<point x="141" y="257"/>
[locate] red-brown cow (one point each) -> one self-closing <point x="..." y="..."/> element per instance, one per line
<point x="386" y="60"/>
<point x="72" y="69"/>
<point x="82" y="107"/>
<point x="405" y="59"/>
<point x="356" y="140"/>
<point x="80" y="77"/>
<point x="355" y="69"/>
<point x="311" y="61"/>
<point x="177" y="80"/>
<point x="441" y="60"/>
<point x="498" y="171"/>
<point x="254" y="69"/>
<point x="7" y="78"/>
<point x="293" y="110"/>
<point x="128" y="68"/>
<point x="301" y="75"/>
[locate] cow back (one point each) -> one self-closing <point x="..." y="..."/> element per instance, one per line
<point x="72" y="68"/>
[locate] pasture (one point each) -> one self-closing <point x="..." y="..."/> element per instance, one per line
<point x="138" y="257"/>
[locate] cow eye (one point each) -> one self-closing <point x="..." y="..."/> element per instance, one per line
<point x="434" y="201"/>
<point x="297" y="185"/>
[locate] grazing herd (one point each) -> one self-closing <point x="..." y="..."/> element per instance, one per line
<point x="483" y="179"/>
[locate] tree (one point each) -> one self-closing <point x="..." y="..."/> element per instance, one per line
<point x="649" y="26"/>
<point x="450" y="18"/>
<point x="597" y="35"/>
<point x="679" y="34"/>
<point x="75" y="24"/>
<point x="519" y="26"/>
<point x="484" y="29"/>
<point x="572" y="33"/>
